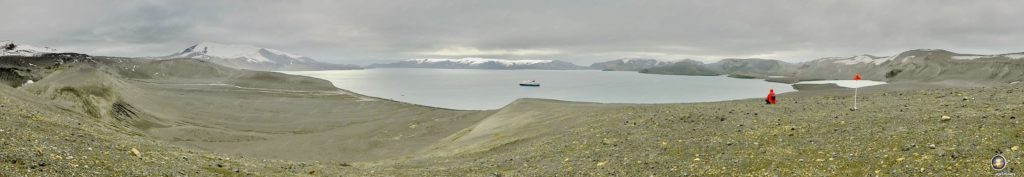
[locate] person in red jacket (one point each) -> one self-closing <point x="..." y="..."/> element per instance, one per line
<point x="771" y="97"/>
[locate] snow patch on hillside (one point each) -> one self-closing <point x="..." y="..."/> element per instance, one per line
<point x="640" y="61"/>
<point x="906" y="58"/>
<point x="860" y="59"/>
<point x="25" y="50"/>
<point x="970" y="57"/>
<point x="1013" y="56"/>
<point x="883" y="60"/>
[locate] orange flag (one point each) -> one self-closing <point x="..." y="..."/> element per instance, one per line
<point x="856" y="77"/>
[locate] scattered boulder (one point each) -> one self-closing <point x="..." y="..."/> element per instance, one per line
<point x="946" y="118"/>
<point x="136" y="153"/>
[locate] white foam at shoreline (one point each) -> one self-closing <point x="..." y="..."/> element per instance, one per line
<point x="846" y="83"/>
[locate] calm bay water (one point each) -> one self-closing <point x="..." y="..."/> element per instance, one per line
<point x="492" y="89"/>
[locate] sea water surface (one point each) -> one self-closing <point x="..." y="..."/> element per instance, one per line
<point x="473" y="89"/>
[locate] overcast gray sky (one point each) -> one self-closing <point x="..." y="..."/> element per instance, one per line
<point x="584" y="31"/>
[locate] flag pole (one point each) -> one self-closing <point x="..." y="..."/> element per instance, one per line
<point x="855" y="97"/>
<point x="856" y="79"/>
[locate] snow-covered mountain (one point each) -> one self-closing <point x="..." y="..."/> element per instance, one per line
<point x="9" y="48"/>
<point x="631" y="64"/>
<point x="479" y="63"/>
<point x="253" y="58"/>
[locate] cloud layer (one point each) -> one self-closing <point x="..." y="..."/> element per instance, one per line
<point x="365" y="32"/>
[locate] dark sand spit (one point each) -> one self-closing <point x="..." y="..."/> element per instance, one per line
<point x="103" y="116"/>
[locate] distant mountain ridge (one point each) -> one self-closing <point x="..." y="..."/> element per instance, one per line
<point x="480" y="63"/>
<point x="913" y="65"/>
<point x="683" y="67"/>
<point x="750" y="67"/>
<point x="9" y="48"/>
<point x="253" y="58"/>
<point x="630" y="64"/>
